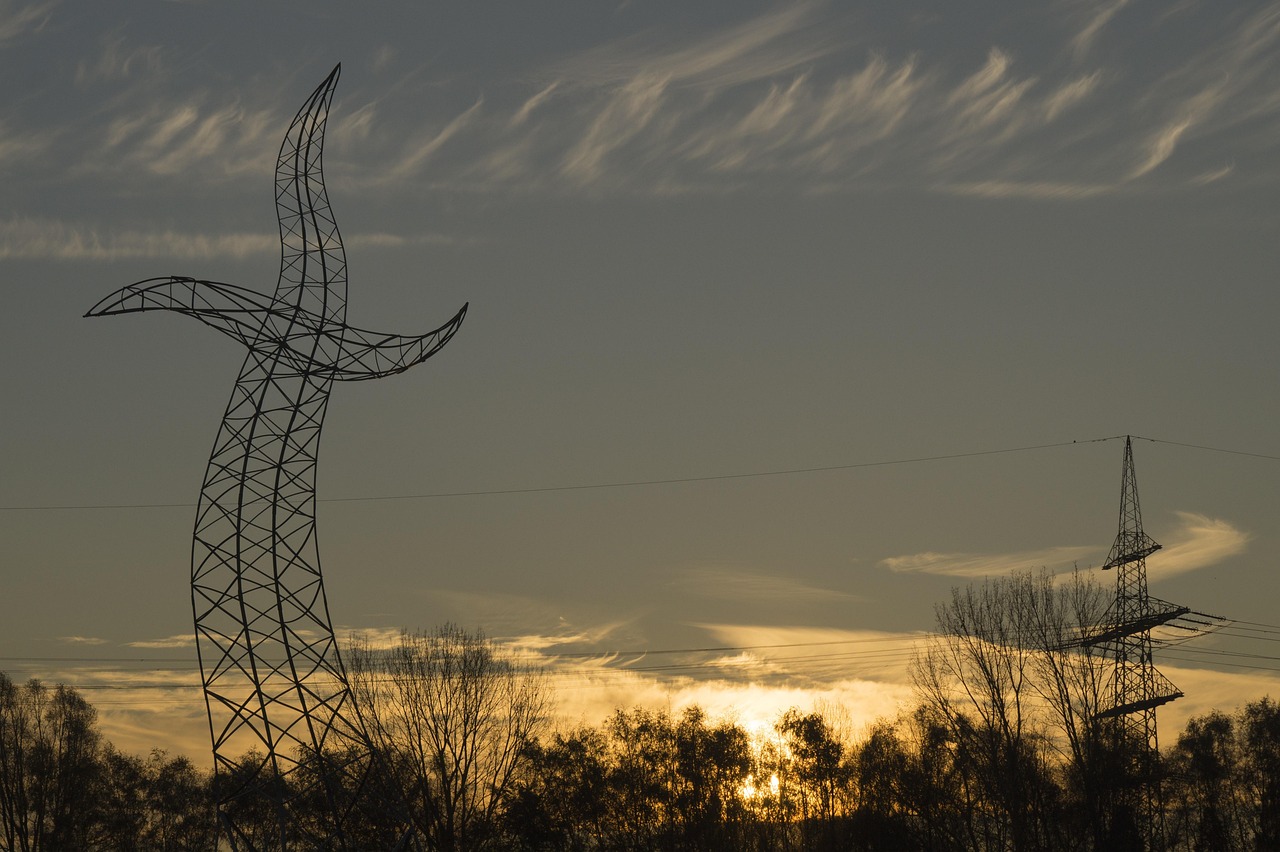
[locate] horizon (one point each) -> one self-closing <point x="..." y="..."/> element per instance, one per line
<point x="785" y="320"/>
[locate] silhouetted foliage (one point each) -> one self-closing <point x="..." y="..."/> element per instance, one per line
<point x="156" y="803"/>
<point x="63" y="788"/>
<point x="938" y="778"/>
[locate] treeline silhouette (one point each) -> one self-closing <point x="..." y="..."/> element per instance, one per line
<point x="978" y="765"/>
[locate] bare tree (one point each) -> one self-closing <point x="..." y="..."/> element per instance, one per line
<point x="450" y="713"/>
<point x="999" y="655"/>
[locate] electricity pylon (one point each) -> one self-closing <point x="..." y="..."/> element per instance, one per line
<point x="1137" y="688"/>
<point x="274" y="684"/>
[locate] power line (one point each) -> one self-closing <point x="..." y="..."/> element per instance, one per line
<point x="1208" y="449"/>
<point x="596" y="485"/>
<point x="893" y="649"/>
<point x="637" y="483"/>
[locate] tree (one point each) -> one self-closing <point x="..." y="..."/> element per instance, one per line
<point x="1259" y="728"/>
<point x="562" y="802"/>
<point x="450" y="713"/>
<point x="49" y="750"/>
<point x="711" y="762"/>
<point x="979" y="676"/>
<point x="1203" y="765"/>
<point x="1073" y="682"/>
<point x="157" y="803"/>
<point x="817" y="777"/>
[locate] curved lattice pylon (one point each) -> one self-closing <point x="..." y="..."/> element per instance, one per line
<point x="274" y="683"/>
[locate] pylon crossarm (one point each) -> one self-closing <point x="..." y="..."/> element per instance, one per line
<point x="237" y="312"/>
<point x="1137" y="706"/>
<point x="370" y="355"/>
<point x="1135" y="626"/>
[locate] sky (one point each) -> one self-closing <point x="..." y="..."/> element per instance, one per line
<point x="785" y="319"/>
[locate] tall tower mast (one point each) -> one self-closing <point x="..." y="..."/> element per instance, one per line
<point x="1137" y="688"/>
<point x="284" y="726"/>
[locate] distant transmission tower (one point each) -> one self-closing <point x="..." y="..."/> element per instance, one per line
<point x="274" y="685"/>
<point x="1137" y="689"/>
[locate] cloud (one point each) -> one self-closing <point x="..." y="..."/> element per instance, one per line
<point x="18" y="21"/>
<point x="1028" y="189"/>
<point x="862" y="672"/>
<point x="1230" y="82"/>
<point x="182" y="640"/>
<point x="752" y="50"/>
<point x="53" y="240"/>
<point x="811" y="97"/>
<point x="82" y="640"/>
<point x="22" y="147"/>
<point x="1084" y="39"/>
<point x="376" y="638"/>
<point x="47" y="239"/>
<point x="117" y="61"/>
<point x="1199" y="542"/>
<point x="569" y="636"/>
<point x="1069" y="95"/>
<point x="411" y="160"/>
<point x="984" y="111"/>
<point x="1205" y="689"/>
<point x="1212" y="176"/>
<point x="1161" y="145"/>
<point x="749" y="587"/>
<point x="628" y="113"/>
<point x="143" y="709"/>
<point x="163" y="137"/>
<point x="978" y="565"/>
<point x="803" y="654"/>
<point x="527" y="108"/>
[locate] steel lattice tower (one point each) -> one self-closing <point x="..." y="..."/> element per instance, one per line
<point x="273" y="679"/>
<point x="1137" y="688"/>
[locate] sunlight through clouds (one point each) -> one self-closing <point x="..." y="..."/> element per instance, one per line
<point x="804" y="237"/>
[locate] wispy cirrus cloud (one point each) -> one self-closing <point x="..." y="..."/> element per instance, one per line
<point x="54" y="240"/>
<point x="528" y="107"/>
<point x="186" y="136"/>
<point x="19" y="147"/>
<point x="19" y="18"/>
<point x="1098" y="17"/>
<point x="759" y="48"/>
<point x="752" y="587"/>
<point x="82" y="640"/>
<point x="422" y="149"/>
<point x="1226" y="85"/>
<point x="1029" y="189"/>
<point x="978" y="565"/>
<point x="1162" y="143"/>
<point x="1197" y="542"/>
<point x="181" y="640"/>
<point x="118" y="59"/>
<point x="812" y="97"/>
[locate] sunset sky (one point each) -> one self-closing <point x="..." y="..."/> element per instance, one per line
<point x="785" y="318"/>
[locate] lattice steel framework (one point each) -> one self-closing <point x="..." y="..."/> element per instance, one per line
<point x="273" y="679"/>
<point x="1137" y="688"/>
